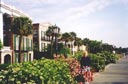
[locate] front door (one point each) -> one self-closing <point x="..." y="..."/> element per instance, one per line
<point x="7" y="59"/>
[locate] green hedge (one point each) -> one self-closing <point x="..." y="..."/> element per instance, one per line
<point x="3" y="66"/>
<point x="100" y="60"/>
<point x="78" y="55"/>
<point x="44" y="71"/>
<point x="97" y="62"/>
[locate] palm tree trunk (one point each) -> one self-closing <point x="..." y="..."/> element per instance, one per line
<point x="20" y="51"/>
<point x="52" y="47"/>
<point x="65" y="54"/>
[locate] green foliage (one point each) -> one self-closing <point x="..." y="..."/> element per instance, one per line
<point x="78" y="55"/>
<point x="61" y="49"/>
<point x="109" y="57"/>
<point x="67" y="51"/>
<point x="99" y="60"/>
<point x="78" y="41"/>
<point x="1" y="45"/>
<point x="3" y="66"/>
<point x="22" y="26"/>
<point x="44" y="71"/>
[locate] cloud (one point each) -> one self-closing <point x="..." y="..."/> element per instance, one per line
<point x="125" y="2"/>
<point x="54" y="1"/>
<point x="85" y="10"/>
<point x="38" y="2"/>
<point x="61" y="10"/>
<point x="81" y="16"/>
<point x="72" y="13"/>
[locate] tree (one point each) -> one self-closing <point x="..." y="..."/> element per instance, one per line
<point x="21" y="26"/>
<point x="73" y="35"/>
<point x="66" y="37"/>
<point x="51" y="34"/>
<point x="86" y="42"/>
<point x="78" y="42"/>
<point x="1" y="45"/>
<point x="107" y="47"/>
<point x="93" y="46"/>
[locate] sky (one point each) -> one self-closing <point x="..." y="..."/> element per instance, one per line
<point x="101" y="20"/>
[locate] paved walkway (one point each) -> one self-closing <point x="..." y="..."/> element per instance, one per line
<point x="113" y="73"/>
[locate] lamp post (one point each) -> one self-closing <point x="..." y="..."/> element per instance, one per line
<point x="56" y="31"/>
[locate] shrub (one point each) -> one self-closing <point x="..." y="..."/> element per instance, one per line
<point x="78" y="55"/>
<point x="75" y="69"/>
<point x="97" y="62"/>
<point x="3" y="66"/>
<point x="109" y="57"/>
<point x="44" y="71"/>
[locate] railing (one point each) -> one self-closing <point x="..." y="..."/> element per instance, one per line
<point x="45" y="39"/>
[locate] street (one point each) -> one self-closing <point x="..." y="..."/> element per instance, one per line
<point x="113" y="73"/>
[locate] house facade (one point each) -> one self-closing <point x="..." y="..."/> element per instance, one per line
<point x="40" y="39"/>
<point x="10" y="41"/>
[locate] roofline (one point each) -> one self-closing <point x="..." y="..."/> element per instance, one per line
<point x="13" y="9"/>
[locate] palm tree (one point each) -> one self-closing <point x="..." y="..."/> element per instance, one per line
<point x="73" y="35"/>
<point x="51" y="34"/>
<point x="78" y="42"/>
<point x="21" y="26"/>
<point x="66" y="37"/>
<point x="86" y="42"/>
<point x="73" y="40"/>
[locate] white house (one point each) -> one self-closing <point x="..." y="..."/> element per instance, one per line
<point x="9" y="52"/>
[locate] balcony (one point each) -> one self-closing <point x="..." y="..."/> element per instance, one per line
<point x="45" y="39"/>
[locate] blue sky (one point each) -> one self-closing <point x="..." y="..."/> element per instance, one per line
<point x="105" y="20"/>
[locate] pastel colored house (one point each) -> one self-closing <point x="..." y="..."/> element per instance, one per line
<point x="10" y="41"/>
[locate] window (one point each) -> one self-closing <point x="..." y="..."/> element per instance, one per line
<point x="30" y="44"/>
<point x="35" y="32"/>
<point x="43" y="35"/>
<point x="16" y="57"/>
<point x="42" y="46"/>
<point x="25" y="43"/>
<point x="25" y="58"/>
<point x="16" y="42"/>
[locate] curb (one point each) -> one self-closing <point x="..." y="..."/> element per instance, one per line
<point x="97" y="73"/>
<point x="106" y="67"/>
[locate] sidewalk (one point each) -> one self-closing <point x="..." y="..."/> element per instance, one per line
<point x="113" y="73"/>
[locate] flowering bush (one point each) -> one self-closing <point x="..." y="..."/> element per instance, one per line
<point x="44" y="71"/>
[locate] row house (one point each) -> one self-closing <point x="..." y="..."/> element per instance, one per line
<point x="40" y="39"/>
<point x="10" y="41"/>
<point x="74" y="48"/>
